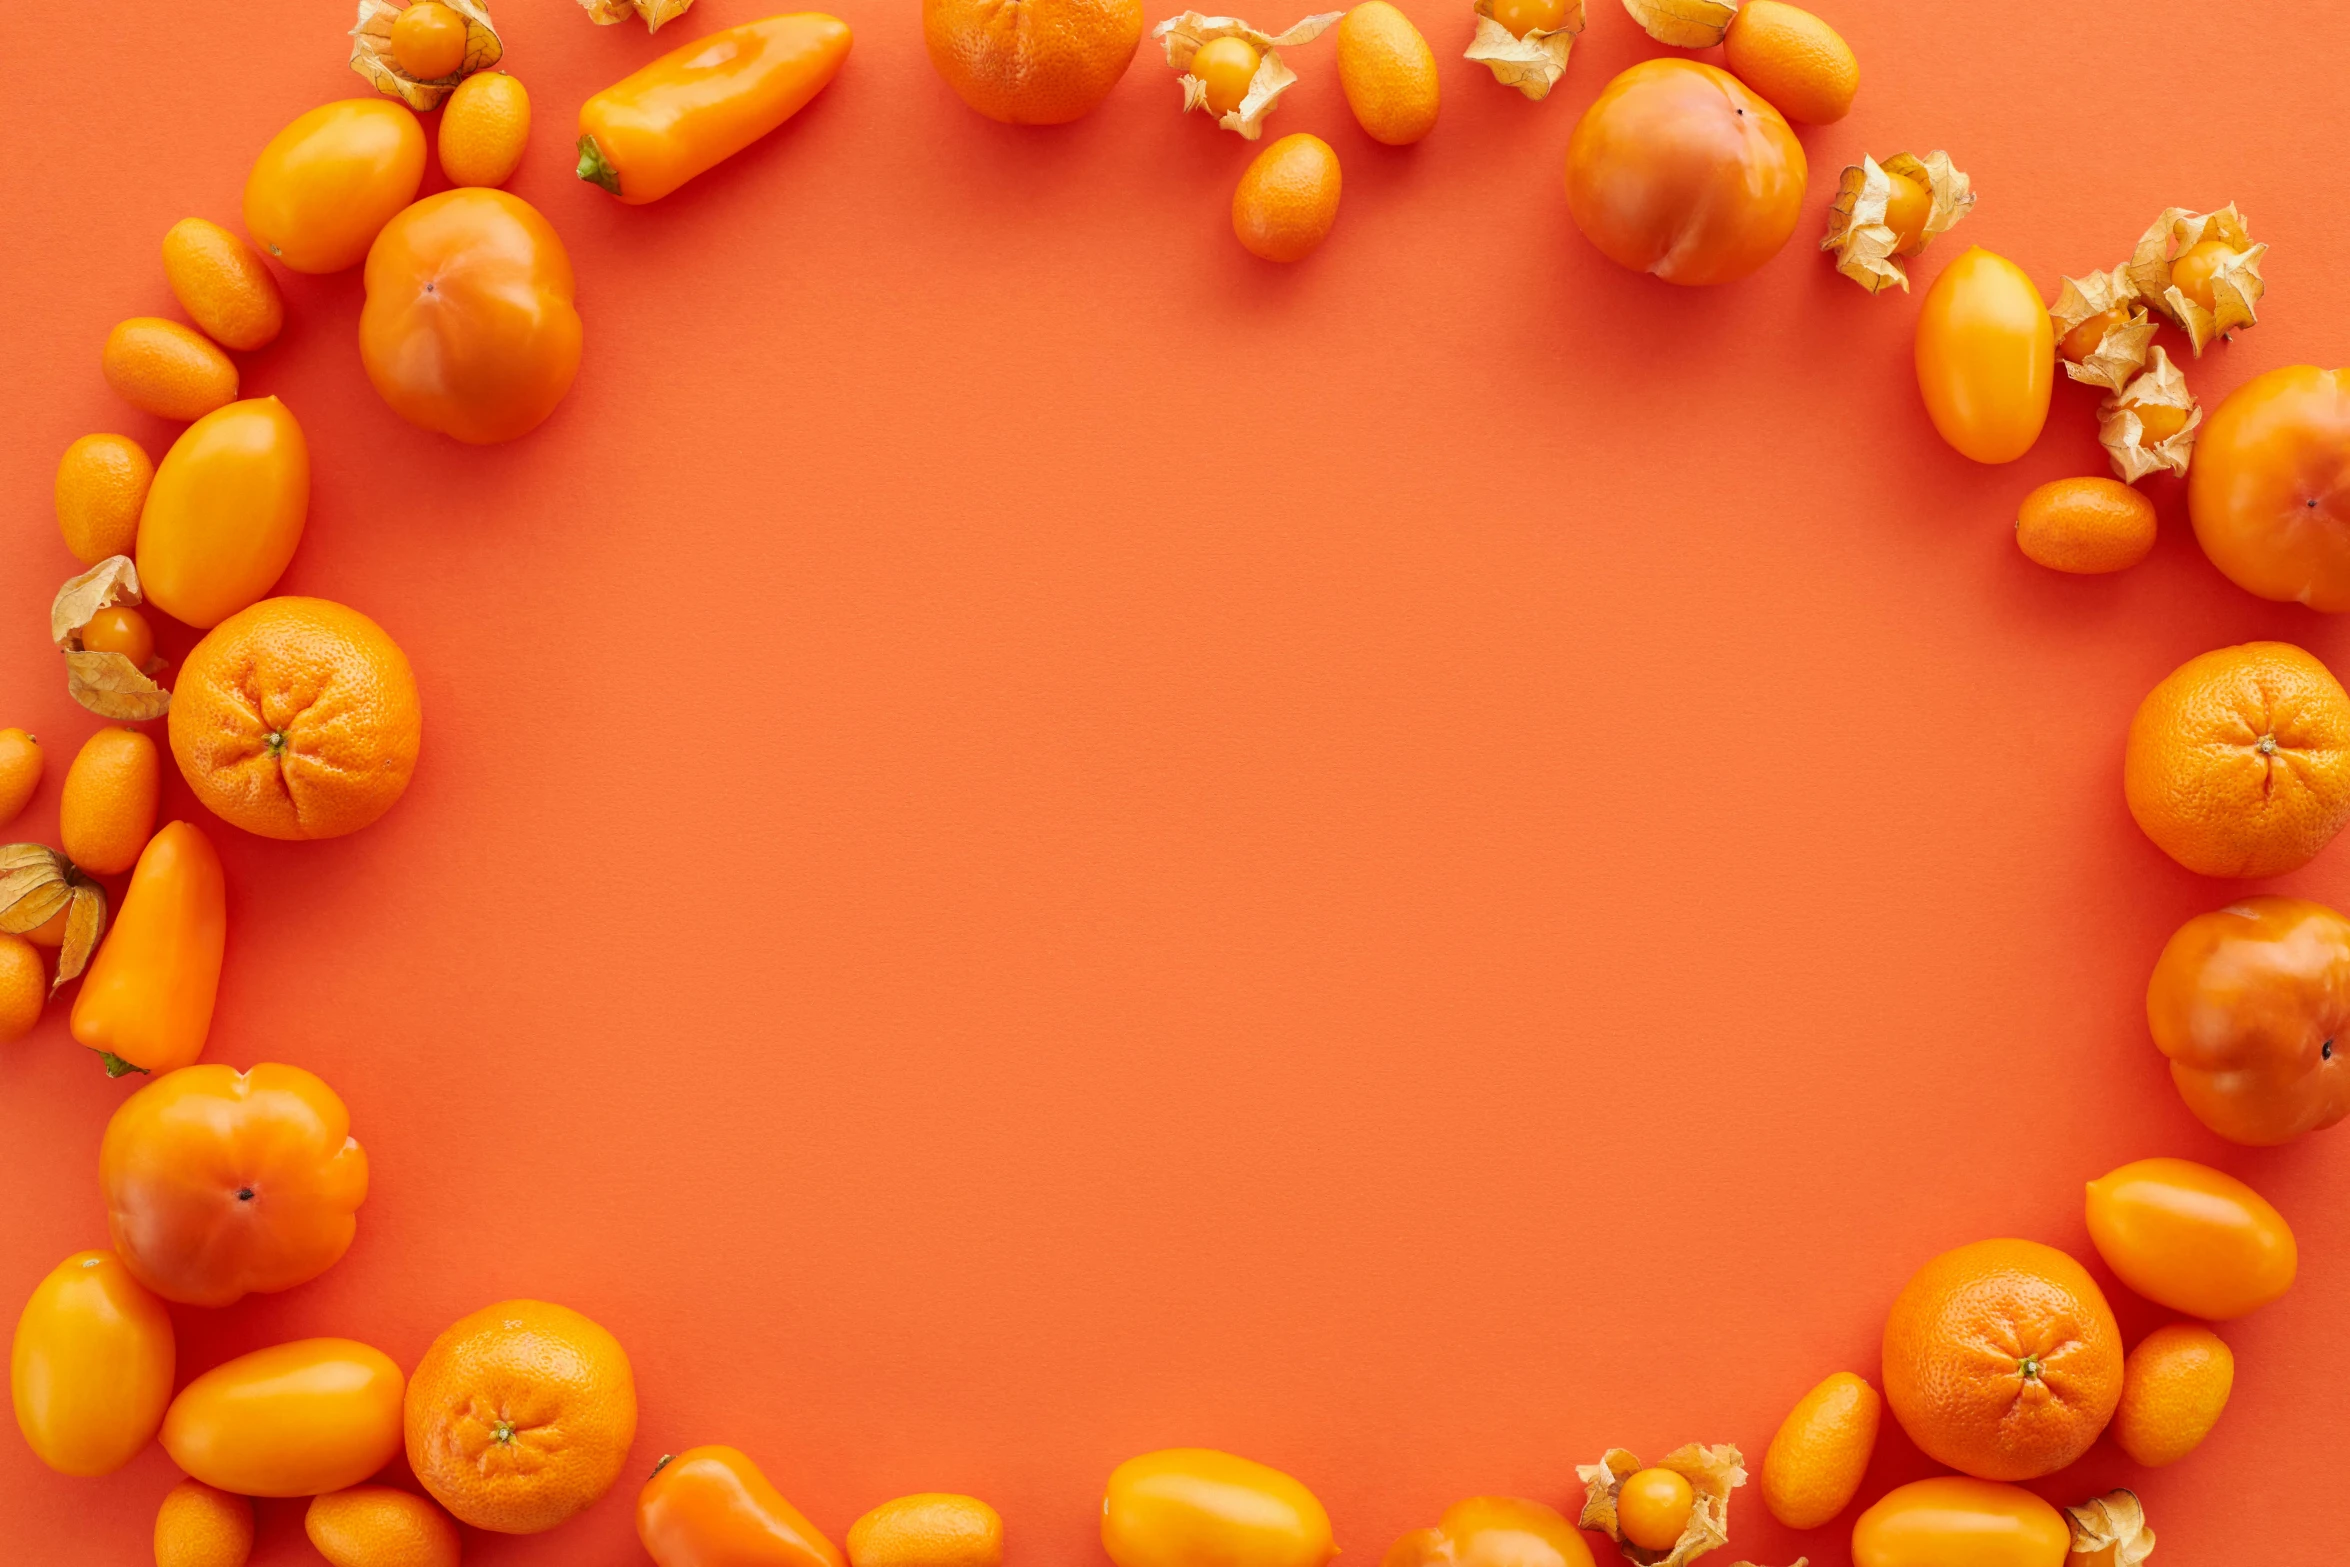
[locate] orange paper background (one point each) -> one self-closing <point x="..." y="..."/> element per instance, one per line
<point x="1038" y="840"/>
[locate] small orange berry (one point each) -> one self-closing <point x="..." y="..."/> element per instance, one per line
<point x="2082" y="341"/>
<point x="118" y="628"/>
<point x="1653" y="1507"/>
<point x="1226" y="66"/>
<point x="428" y="41"/>
<point x="2197" y="265"/>
<point x="1521" y="17"/>
<point x="1906" y="211"/>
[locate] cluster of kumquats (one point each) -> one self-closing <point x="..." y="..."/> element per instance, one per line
<point x="298" y="718"/>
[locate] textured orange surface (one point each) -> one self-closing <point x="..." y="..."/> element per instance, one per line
<point x="1037" y="840"/>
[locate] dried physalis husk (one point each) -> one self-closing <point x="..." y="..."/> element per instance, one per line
<point x="108" y="684"/>
<point x="655" y="12"/>
<point x="1712" y="1472"/>
<point x="2109" y="1532"/>
<point x="2149" y="425"/>
<point x="1685" y="24"/>
<point x="2236" y="283"/>
<point x="371" y="52"/>
<point x="36" y="885"/>
<point x="2120" y="352"/>
<point x="1187" y="34"/>
<point x="1868" y="251"/>
<point x="1532" y="64"/>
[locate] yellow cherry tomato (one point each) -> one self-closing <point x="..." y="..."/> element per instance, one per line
<point x="1986" y="357"/>
<point x="323" y="187"/>
<point x="1953" y="1522"/>
<point x="1225" y="66"/>
<point x="91" y="1367"/>
<point x="225" y="512"/>
<point x="1196" y="1507"/>
<point x="1653" y="1507"/>
<point x="428" y="40"/>
<point x="298" y="1419"/>
<point x="1493" y="1531"/>
<point x="2188" y="1237"/>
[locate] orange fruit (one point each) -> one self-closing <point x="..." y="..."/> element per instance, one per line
<point x="428" y="40"/>
<point x="2238" y="763"/>
<point x="101" y="484"/>
<point x="106" y="812"/>
<point x="20" y="772"/>
<point x="1653" y="1507"/>
<point x="1794" y="59"/>
<point x="520" y="1415"/>
<point x="1288" y="198"/>
<point x="2002" y="1360"/>
<point x="166" y="369"/>
<point x="2174" y="1387"/>
<point x="929" y="1529"/>
<point x="2085" y="525"/>
<point x="1815" y="1463"/>
<point x="24" y="987"/>
<point x="376" y="1526"/>
<point x="484" y="127"/>
<point x="1031" y="62"/>
<point x="296" y="718"/>
<point x="118" y="628"/>
<point x="223" y="285"/>
<point x="1388" y="74"/>
<point x="199" y="1526"/>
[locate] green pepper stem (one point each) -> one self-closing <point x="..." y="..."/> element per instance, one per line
<point x="595" y="168"/>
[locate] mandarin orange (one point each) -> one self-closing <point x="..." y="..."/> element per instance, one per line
<point x="1032" y="62"/>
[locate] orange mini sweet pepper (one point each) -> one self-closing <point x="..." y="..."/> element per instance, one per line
<point x="695" y="107"/>
<point x="711" y="1507"/>
<point x="146" y="1003"/>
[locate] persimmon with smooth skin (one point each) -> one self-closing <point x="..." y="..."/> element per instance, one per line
<point x="1816" y="1461"/>
<point x="328" y="183"/>
<point x="2191" y="1238"/>
<point x="1986" y="357"/>
<point x="468" y="327"/>
<point x="698" y="105"/>
<point x="377" y="1526"/>
<point x="226" y="511"/>
<point x="1493" y="1531"/>
<point x="106" y="813"/>
<point x="1800" y="63"/>
<point x="2269" y="490"/>
<point x="20" y="771"/>
<point x="298" y="1419"/>
<point x="223" y="285"/>
<point x="1287" y="199"/>
<point x="2085" y="526"/>
<point x="1032" y="62"/>
<point x="928" y="1529"/>
<point x="2251" y="1003"/>
<point x="1955" y="1522"/>
<point x="90" y="1370"/>
<point x="101" y="485"/>
<point x="166" y="369"/>
<point x="2238" y="762"/>
<point x="1185" y="1506"/>
<point x="2002" y="1360"/>
<point x="201" y="1525"/>
<point x="146" y="999"/>
<point x="1680" y="170"/>
<point x="712" y="1507"/>
<point x="220" y="1183"/>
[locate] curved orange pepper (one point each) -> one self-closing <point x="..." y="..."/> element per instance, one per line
<point x="695" y="107"/>
<point x="146" y="1003"/>
<point x="219" y="1183"/>
<point x="711" y="1507"/>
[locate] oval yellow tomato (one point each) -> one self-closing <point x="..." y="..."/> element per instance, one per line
<point x="296" y="1419"/>
<point x="1493" y="1531"/>
<point x="2188" y="1237"/>
<point x="1953" y="1522"/>
<point x="91" y="1367"/>
<point x="1986" y="357"/>
<point x="326" y="183"/>
<point x="1195" y="1507"/>
<point x="225" y="512"/>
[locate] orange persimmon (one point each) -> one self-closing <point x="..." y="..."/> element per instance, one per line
<point x="146" y="1002"/>
<point x="2251" y="1003"/>
<point x="1680" y="170"/>
<point x="468" y="327"/>
<point x="2269" y="491"/>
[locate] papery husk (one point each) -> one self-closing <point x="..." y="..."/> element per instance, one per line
<point x="1532" y="64"/>
<point x="108" y="684"/>
<point x="1712" y="1472"/>
<point x="35" y="882"/>
<point x="2122" y="435"/>
<point x="371" y="53"/>
<point x="1185" y="35"/>
<point x="2235" y="289"/>
<point x="655" y="12"/>
<point x="2121" y="353"/>
<point x="2110" y="1531"/>
<point x="1685" y="24"/>
<point x="1857" y="231"/>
